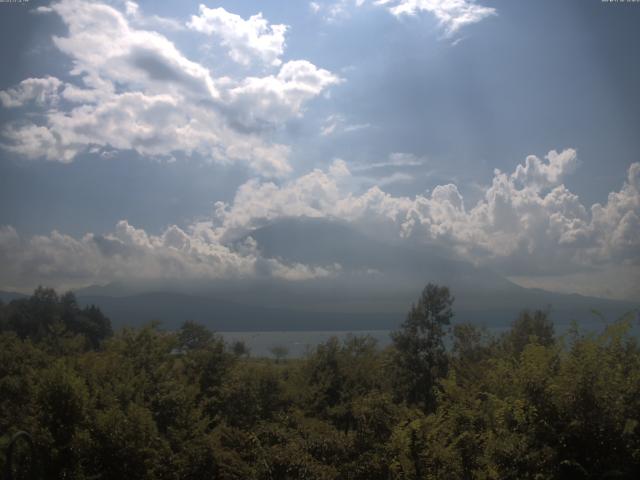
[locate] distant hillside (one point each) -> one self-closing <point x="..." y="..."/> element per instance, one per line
<point x="376" y="285"/>
<point x="6" y="297"/>
<point x="172" y="309"/>
<point x="324" y="242"/>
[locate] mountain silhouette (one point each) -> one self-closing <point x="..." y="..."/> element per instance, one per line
<point x="375" y="285"/>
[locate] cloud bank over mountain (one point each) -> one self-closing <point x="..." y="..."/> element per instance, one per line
<point x="368" y="113"/>
<point x="133" y="254"/>
<point x="527" y="223"/>
<point x="528" y="214"/>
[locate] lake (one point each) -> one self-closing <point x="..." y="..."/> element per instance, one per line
<point x="299" y="342"/>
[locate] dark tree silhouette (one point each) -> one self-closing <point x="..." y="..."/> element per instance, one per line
<point x="47" y="315"/>
<point x="420" y="357"/>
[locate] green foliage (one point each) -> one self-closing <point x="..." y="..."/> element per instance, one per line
<point x="240" y="349"/>
<point x="279" y="352"/>
<point x="56" y="320"/>
<point x="528" y="328"/>
<point x="420" y="358"/>
<point x="150" y="404"/>
<point x="194" y="336"/>
<point x="252" y="393"/>
<point x="337" y="375"/>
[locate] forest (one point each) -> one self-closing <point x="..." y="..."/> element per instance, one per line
<point x="444" y="401"/>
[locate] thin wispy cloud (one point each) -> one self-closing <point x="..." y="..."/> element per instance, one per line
<point x="395" y="160"/>
<point x="451" y="14"/>
<point x="336" y="124"/>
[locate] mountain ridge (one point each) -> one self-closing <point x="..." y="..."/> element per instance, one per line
<point x="353" y="299"/>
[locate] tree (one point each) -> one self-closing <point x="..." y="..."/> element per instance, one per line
<point x="279" y="352"/>
<point x="528" y="328"/>
<point x="89" y="321"/>
<point x="194" y="336"/>
<point x="45" y="316"/>
<point x="62" y="400"/>
<point x="251" y="393"/>
<point x="420" y="359"/>
<point x="240" y="349"/>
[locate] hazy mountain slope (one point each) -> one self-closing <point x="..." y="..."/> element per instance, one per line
<point x="6" y="297"/>
<point x="377" y="283"/>
<point x="323" y="242"/>
<point x="172" y="309"/>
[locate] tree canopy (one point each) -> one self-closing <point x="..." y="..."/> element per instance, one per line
<point x="146" y="403"/>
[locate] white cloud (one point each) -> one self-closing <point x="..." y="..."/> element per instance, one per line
<point x="133" y="254"/>
<point x="43" y="92"/>
<point x="395" y="160"/>
<point x="137" y="91"/>
<point x="528" y="225"/>
<point x="102" y="43"/>
<point x="336" y="123"/>
<point x="526" y="222"/>
<point x="537" y="174"/>
<point x="451" y="14"/>
<point x="36" y="141"/>
<point x="42" y="10"/>
<point x="260" y="101"/>
<point x="247" y="40"/>
<point x="132" y="10"/>
<point x="397" y="168"/>
<point x="395" y="177"/>
<point x="336" y="10"/>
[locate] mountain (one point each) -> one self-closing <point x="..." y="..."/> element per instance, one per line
<point x="6" y="297"/>
<point x="377" y="283"/>
<point x="172" y="309"/>
<point x="325" y="242"/>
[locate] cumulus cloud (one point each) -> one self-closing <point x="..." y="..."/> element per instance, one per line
<point x="246" y="40"/>
<point x="536" y="173"/>
<point x="132" y="10"/>
<point x="137" y="91"/>
<point x="129" y="253"/>
<point x="259" y="101"/>
<point x="451" y="14"/>
<point x="42" y="91"/>
<point x="527" y="225"/>
<point x="526" y="222"/>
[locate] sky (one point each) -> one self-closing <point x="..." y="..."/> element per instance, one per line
<point x="139" y="140"/>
